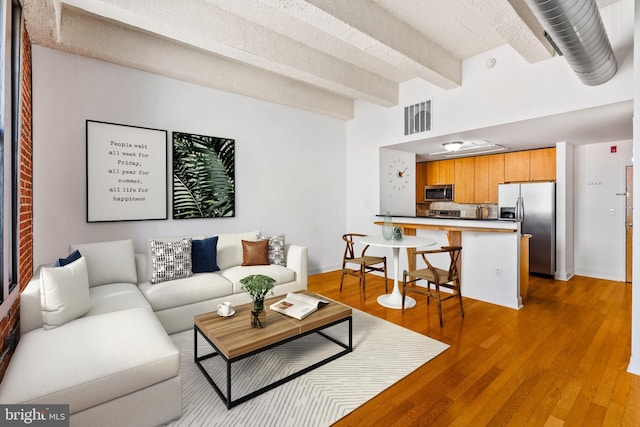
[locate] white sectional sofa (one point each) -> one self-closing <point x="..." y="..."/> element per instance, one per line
<point x="104" y="346"/>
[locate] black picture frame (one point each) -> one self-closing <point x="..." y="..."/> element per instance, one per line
<point x="203" y="176"/>
<point x="126" y="172"/>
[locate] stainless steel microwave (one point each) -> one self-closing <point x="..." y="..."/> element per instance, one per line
<point x="438" y="193"/>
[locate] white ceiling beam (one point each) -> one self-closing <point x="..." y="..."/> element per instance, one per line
<point x="370" y="28"/>
<point x="293" y="23"/>
<point x="517" y="25"/>
<point x="136" y="49"/>
<point x="214" y="30"/>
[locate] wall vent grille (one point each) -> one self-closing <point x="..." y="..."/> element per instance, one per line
<point x="417" y="118"/>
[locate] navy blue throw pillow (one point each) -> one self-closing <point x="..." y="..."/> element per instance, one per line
<point x="204" y="255"/>
<point x="74" y="256"/>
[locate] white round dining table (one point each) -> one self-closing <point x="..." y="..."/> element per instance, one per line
<point x="394" y="299"/>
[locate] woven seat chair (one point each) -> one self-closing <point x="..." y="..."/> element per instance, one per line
<point x="437" y="277"/>
<point x="366" y="264"/>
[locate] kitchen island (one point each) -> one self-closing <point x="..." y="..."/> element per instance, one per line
<point x="490" y="265"/>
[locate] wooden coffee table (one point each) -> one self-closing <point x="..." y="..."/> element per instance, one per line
<point x="233" y="339"/>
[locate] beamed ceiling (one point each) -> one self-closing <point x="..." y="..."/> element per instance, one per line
<point x="317" y="55"/>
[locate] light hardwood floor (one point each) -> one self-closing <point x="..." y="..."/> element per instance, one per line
<point x="560" y="360"/>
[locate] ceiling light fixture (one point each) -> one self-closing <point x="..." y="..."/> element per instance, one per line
<point x="452" y="146"/>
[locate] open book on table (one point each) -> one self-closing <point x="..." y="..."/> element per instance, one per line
<point x="298" y="306"/>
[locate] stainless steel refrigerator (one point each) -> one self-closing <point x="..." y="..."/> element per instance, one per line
<point x="535" y="205"/>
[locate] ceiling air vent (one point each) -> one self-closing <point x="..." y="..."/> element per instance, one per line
<point x="417" y="118"/>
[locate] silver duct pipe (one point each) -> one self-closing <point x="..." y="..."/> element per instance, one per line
<point x="576" y="28"/>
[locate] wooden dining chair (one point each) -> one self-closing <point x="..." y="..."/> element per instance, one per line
<point x="366" y="264"/>
<point x="439" y="278"/>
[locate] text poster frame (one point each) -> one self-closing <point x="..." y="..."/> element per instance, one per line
<point x="126" y="172"/>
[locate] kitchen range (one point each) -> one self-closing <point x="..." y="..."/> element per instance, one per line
<point x="443" y="214"/>
<point x="480" y="212"/>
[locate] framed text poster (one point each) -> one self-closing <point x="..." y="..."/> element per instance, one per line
<point x="126" y="172"/>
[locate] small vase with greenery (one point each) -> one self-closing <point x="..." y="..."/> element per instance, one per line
<point x="258" y="286"/>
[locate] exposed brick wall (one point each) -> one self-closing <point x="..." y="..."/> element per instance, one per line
<point x="25" y="226"/>
<point x="25" y="209"/>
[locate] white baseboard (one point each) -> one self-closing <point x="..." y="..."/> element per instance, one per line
<point x="606" y="275"/>
<point x="564" y="275"/>
<point x="323" y="269"/>
<point x="634" y="365"/>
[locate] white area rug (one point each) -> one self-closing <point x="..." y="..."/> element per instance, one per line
<point x="383" y="353"/>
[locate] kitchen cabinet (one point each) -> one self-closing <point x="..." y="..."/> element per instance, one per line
<point x="464" y="177"/>
<point x="481" y="179"/>
<point x="478" y="179"/>
<point x="531" y="165"/>
<point x="440" y="172"/>
<point x="421" y="181"/>
<point x="516" y="166"/>
<point x="496" y="176"/>
<point x="543" y="164"/>
<point x="447" y="169"/>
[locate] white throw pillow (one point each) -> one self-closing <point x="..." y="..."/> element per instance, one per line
<point x="64" y="293"/>
<point x="230" y="248"/>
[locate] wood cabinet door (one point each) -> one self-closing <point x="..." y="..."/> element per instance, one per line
<point x="447" y="172"/>
<point x="495" y="175"/>
<point x="433" y="173"/>
<point x="421" y="181"/>
<point x="516" y="166"/>
<point x="481" y="179"/>
<point x="543" y="164"/>
<point x="464" y="171"/>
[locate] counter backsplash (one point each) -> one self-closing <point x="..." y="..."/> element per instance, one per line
<point x="466" y="211"/>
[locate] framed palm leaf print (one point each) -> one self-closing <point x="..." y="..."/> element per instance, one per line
<point x="203" y="176"/>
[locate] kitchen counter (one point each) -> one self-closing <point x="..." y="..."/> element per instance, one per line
<point x="467" y="218"/>
<point x="455" y="224"/>
<point x="490" y="261"/>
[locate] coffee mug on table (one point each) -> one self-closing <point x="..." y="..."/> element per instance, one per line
<point x="224" y="308"/>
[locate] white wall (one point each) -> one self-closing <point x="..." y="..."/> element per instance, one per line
<point x="565" y="211"/>
<point x="290" y="164"/>
<point x="365" y="135"/>
<point x="600" y="213"/>
<point x="397" y="194"/>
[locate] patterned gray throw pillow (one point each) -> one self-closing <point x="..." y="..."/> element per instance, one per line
<point x="276" y="249"/>
<point x="170" y="260"/>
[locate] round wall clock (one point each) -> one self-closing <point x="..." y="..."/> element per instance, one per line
<point x="398" y="174"/>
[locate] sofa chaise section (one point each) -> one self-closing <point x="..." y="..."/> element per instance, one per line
<point x="112" y="355"/>
<point x="112" y="358"/>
